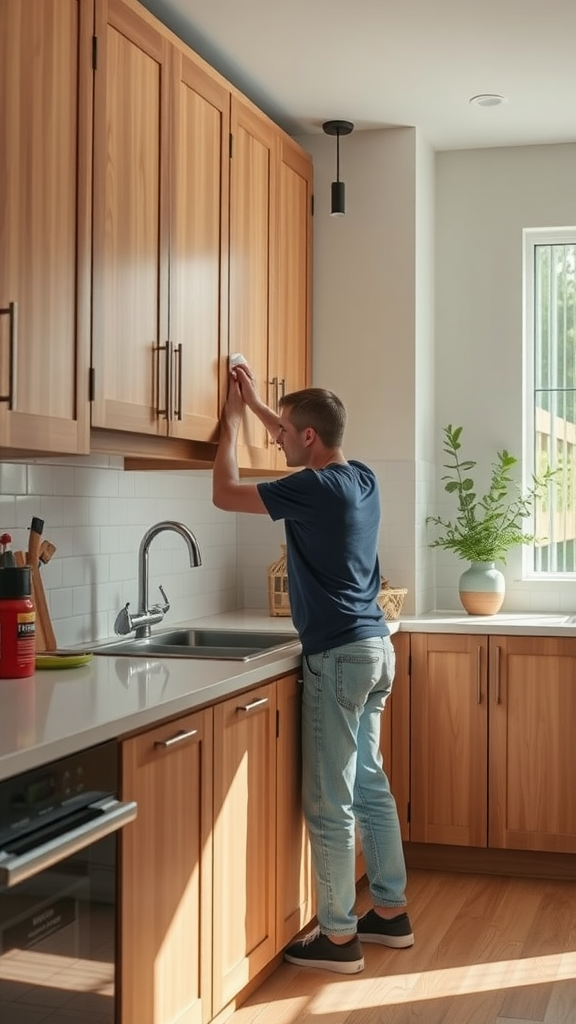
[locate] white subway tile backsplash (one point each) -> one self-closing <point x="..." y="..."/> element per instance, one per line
<point x="39" y="479"/>
<point x="12" y="478"/>
<point x="62" y="480"/>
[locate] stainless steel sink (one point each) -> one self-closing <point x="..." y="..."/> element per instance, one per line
<point x="230" y="644"/>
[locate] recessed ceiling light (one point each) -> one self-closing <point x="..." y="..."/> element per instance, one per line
<point x="487" y="99"/>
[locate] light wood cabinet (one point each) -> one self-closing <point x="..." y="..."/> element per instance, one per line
<point x="216" y="872"/>
<point x="253" y="184"/>
<point x="532" y="755"/>
<point x="295" y="901"/>
<point x="493" y="760"/>
<point x="160" y="221"/>
<point x="151" y="221"/>
<point x="198" y="250"/>
<point x="290" y="351"/>
<point x="166" y="870"/>
<point x="45" y="142"/>
<point x="449" y="741"/>
<point x="244" y="840"/>
<point x="270" y="269"/>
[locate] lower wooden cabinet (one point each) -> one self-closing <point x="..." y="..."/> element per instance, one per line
<point x="215" y="870"/>
<point x="532" y="753"/>
<point x="295" y="903"/>
<point x="166" y="872"/>
<point x="493" y="760"/>
<point x="244" y="905"/>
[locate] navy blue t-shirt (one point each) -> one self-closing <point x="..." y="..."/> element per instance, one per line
<point x="332" y="517"/>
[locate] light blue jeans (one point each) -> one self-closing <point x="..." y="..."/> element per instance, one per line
<point x="343" y="780"/>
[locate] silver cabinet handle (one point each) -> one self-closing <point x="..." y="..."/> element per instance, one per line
<point x="178" y="377"/>
<point x="15" y="869"/>
<point x="497" y="691"/>
<point x="165" y="410"/>
<point x="11" y="311"/>
<point x="185" y="734"/>
<point x="169" y="395"/>
<point x="253" y="704"/>
<point x="479" y="675"/>
<point x="275" y="384"/>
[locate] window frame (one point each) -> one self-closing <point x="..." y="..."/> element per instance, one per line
<point x="532" y="238"/>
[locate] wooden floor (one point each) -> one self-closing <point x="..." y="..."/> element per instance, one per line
<point x="488" y="950"/>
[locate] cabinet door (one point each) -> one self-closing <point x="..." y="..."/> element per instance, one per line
<point x="532" y="750"/>
<point x="45" y="147"/>
<point x="166" y="867"/>
<point x="252" y="202"/>
<point x="130" y="350"/>
<point x="198" y="251"/>
<point x="289" y="364"/>
<point x="294" y="885"/>
<point x="449" y="743"/>
<point x="244" y="840"/>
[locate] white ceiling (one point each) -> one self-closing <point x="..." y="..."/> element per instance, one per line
<point x="396" y="62"/>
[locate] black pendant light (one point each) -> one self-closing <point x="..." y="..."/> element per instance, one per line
<point x="338" y="203"/>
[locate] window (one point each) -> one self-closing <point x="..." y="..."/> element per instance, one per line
<point x="550" y="396"/>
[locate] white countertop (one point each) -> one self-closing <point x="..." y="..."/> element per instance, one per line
<point x="503" y="624"/>
<point x="58" y="712"/>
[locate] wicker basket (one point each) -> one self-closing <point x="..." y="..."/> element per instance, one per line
<point x="390" y="600"/>
<point x="278" y="600"/>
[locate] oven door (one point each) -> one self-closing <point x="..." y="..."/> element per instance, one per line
<point x="58" y="922"/>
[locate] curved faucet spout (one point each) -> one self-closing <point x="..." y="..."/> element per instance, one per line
<point x="193" y="549"/>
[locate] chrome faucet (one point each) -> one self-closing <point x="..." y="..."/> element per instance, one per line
<point x="145" y="616"/>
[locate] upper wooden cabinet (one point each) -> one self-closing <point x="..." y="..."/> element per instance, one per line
<point x="152" y="220"/>
<point x="45" y="147"/>
<point x="253" y="181"/>
<point x="270" y="269"/>
<point x="198" y="249"/>
<point x="290" y="355"/>
<point x="161" y="131"/>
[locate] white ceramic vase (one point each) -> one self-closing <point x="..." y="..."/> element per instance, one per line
<point x="482" y="588"/>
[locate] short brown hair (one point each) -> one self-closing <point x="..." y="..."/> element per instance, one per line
<point x="320" y="409"/>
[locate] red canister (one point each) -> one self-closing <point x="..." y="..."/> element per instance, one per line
<point x="17" y="623"/>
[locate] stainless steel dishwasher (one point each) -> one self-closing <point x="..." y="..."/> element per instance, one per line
<point x="58" y="889"/>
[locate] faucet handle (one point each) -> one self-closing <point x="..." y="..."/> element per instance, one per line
<point x="166" y="605"/>
<point x="123" y="624"/>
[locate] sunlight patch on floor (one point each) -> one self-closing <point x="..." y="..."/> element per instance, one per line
<point x="452" y="981"/>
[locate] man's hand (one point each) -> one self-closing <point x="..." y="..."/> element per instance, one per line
<point x="244" y="378"/>
<point x="247" y="384"/>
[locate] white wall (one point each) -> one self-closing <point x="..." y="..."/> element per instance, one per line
<point x="484" y="199"/>
<point x="373" y="328"/>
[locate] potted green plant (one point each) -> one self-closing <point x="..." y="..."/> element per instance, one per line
<point x="486" y="527"/>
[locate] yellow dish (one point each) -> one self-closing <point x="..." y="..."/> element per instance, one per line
<point x="64" y="660"/>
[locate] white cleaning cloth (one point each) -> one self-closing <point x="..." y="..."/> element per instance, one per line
<point x="237" y="359"/>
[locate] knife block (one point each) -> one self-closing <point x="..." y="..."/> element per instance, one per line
<point x="45" y="636"/>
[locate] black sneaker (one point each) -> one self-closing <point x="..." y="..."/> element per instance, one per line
<point x="316" y="950"/>
<point x="394" y="931"/>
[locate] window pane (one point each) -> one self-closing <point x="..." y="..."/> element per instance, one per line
<point x="554" y="317"/>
